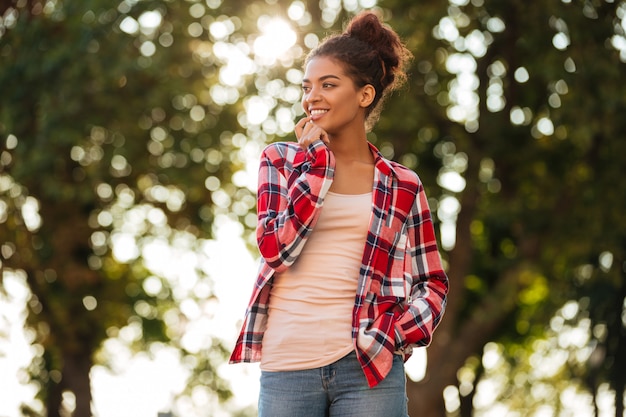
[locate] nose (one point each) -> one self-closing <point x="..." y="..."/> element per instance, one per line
<point x="312" y="95"/>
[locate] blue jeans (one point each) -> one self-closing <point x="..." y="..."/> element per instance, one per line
<point x="336" y="390"/>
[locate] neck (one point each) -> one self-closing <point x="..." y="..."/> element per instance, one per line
<point x="351" y="144"/>
<point x="356" y="149"/>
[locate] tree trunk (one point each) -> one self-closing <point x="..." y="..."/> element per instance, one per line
<point x="619" y="401"/>
<point x="619" y="377"/>
<point x="76" y="374"/>
<point x="458" y="338"/>
<point x="75" y="379"/>
<point x="54" y="399"/>
<point x="426" y="397"/>
<point x="467" y="401"/>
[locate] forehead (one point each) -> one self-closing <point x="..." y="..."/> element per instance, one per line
<point x="323" y="66"/>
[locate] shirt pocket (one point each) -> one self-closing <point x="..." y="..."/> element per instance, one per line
<point x="391" y="277"/>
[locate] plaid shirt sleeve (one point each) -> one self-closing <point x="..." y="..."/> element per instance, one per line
<point x="292" y="186"/>
<point x="403" y="291"/>
<point x="427" y="299"/>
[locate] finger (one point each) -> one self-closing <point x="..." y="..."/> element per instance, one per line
<point x="299" y="129"/>
<point x="317" y="132"/>
<point x="302" y="124"/>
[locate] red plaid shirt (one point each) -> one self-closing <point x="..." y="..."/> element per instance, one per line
<point x="402" y="286"/>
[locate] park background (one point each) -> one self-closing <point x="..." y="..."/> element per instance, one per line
<point x="129" y="137"/>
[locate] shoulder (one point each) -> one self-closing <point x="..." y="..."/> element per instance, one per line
<point x="281" y="150"/>
<point x="407" y="184"/>
<point x="389" y="167"/>
<point x="404" y="174"/>
<point x="283" y="154"/>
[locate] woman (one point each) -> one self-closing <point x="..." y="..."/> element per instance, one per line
<point x="350" y="276"/>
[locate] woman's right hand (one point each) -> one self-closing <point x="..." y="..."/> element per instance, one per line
<point x="308" y="132"/>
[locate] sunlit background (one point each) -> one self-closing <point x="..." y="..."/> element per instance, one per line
<point x="204" y="282"/>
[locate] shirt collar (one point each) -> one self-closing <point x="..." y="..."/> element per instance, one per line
<point x="382" y="163"/>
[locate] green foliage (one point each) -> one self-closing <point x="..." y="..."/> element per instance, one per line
<point x="536" y="138"/>
<point x="103" y="138"/>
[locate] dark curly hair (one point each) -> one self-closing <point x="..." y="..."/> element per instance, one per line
<point x="371" y="53"/>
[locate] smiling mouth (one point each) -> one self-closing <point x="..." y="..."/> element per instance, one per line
<point x="317" y="112"/>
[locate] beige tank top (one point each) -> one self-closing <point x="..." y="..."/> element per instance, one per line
<point x="310" y="310"/>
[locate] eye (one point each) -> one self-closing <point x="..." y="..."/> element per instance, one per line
<point x="328" y="85"/>
<point x="306" y="88"/>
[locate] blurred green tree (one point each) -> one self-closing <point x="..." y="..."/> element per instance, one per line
<point x="514" y="112"/>
<point x="113" y="137"/>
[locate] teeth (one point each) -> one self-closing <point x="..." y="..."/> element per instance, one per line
<point x="315" y="112"/>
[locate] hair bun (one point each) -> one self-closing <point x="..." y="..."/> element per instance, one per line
<point x="368" y="28"/>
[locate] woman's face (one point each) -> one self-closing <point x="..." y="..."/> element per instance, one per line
<point x="330" y="97"/>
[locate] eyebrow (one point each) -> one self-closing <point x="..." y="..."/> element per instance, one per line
<point x="323" y="78"/>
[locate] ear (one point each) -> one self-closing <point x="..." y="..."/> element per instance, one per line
<point x="367" y="94"/>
